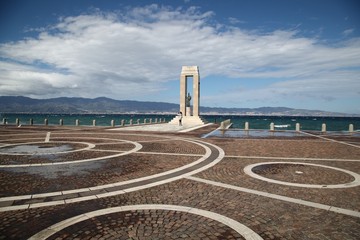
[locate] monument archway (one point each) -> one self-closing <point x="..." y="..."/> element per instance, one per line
<point x="188" y="119"/>
<point x="190" y="71"/>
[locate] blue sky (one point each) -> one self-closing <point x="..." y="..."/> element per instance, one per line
<point x="299" y="54"/>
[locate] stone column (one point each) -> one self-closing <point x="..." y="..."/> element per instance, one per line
<point x="297" y="127"/>
<point x="183" y="87"/>
<point x="77" y="123"/>
<point x="272" y="126"/>
<point x="94" y="123"/>
<point x="112" y="123"/>
<point x="61" y="122"/>
<point x="196" y="95"/>
<point x="46" y="122"/>
<point x="31" y="122"/>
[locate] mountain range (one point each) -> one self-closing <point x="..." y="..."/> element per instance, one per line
<point x="103" y="105"/>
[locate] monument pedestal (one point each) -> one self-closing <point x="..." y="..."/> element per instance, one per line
<point x="188" y="121"/>
<point x="188" y="111"/>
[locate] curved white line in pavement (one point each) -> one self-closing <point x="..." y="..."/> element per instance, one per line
<point x="279" y="197"/>
<point x="109" y="194"/>
<point x="243" y="230"/>
<point x="135" y="149"/>
<point x="356" y="182"/>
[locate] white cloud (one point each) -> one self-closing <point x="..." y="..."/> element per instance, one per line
<point x="348" y="32"/>
<point x="133" y="53"/>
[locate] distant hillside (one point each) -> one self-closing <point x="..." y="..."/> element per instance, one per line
<point x="12" y="104"/>
<point x="81" y="105"/>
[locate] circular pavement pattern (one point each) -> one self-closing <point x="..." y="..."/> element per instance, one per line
<point x="268" y="171"/>
<point x="149" y="222"/>
<point x="40" y="148"/>
<point x="159" y="175"/>
<point x="139" y="221"/>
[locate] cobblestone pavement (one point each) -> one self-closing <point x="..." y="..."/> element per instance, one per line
<point x="91" y="183"/>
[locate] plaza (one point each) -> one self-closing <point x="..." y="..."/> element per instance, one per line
<point x="62" y="182"/>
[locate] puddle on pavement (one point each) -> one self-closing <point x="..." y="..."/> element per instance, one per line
<point x="57" y="171"/>
<point x="237" y="133"/>
<point x="36" y="149"/>
<point x="274" y="168"/>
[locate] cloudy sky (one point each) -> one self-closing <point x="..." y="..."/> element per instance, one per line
<point x="299" y="54"/>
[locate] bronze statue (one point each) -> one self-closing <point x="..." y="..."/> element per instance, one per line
<point x="188" y="99"/>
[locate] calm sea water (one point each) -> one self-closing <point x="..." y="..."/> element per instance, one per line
<point x="255" y="122"/>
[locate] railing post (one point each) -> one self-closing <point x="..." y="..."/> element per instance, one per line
<point x="61" y="122"/>
<point x="351" y="128"/>
<point x="297" y="127"/>
<point x="112" y="123"/>
<point x="323" y="128"/>
<point x="46" y="122"/>
<point x="94" y="123"/>
<point x="272" y="126"/>
<point x="246" y="126"/>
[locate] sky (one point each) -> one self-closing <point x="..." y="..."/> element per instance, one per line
<point x="301" y="54"/>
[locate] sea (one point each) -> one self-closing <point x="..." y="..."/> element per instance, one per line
<point x="238" y="122"/>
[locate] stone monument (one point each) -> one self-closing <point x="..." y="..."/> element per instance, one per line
<point x="190" y="71"/>
<point x="190" y="118"/>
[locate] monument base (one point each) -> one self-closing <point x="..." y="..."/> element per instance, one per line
<point x="188" y="121"/>
<point x="188" y="111"/>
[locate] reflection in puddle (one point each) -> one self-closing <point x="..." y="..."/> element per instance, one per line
<point x="237" y="133"/>
<point x="277" y="168"/>
<point x="56" y="171"/>
<point x="36" y="149"/>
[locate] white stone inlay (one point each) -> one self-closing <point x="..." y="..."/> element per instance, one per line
<point x="279" y="197"/>
<point x="47" y="138"/>
<point x="356" y="182"/>
<point x="243" y="230"/>
<point x="102" y="195"/>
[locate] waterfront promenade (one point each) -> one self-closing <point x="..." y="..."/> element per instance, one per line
<point x="100" y="183"/>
